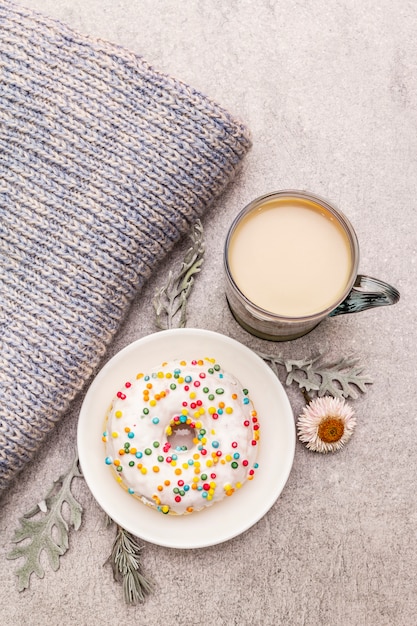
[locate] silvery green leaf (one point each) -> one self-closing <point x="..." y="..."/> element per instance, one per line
<point x="343" y="379"/>
<point x="45" y="529"/>
<point x="340" y="379"/>
<point x="302" y="373"/>
<point x="171" y="299"/>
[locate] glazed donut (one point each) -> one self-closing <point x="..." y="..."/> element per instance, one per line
<point x="182" y="436"/>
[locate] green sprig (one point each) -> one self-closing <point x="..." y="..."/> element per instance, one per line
<point x="48" y="532"/>
<point x="125" y="560"/>
<point x="170" y="302"/>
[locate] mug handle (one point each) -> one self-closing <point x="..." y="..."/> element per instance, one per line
<point x="367" y="293"/>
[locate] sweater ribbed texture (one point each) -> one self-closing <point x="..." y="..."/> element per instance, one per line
<point x="104" y="164"/>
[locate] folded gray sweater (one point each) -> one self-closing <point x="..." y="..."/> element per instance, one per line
<point x="104" y="164"/>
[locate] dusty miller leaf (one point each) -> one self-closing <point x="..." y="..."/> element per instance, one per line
<point x="126" y="565"/>
<point x="341" y="379"/>
<point x="48" y="532"/>
<point x="171" y="300"/>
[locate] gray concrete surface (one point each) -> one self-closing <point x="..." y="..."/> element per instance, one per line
<point x="328" y="90"/>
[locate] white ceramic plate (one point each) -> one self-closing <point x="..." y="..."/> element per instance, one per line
<point x="231" y="516"/>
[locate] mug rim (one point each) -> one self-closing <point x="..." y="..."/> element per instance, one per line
<point x="270" y="316"/>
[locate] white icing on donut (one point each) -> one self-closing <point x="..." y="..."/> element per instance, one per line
<point x="199" y="397"/>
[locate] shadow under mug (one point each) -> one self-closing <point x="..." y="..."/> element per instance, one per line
<point x="359" y="293"/>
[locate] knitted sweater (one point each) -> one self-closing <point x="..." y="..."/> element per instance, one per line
<point x="104" y="164"/>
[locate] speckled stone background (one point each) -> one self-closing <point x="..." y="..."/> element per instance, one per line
<point x="328" y="90"/>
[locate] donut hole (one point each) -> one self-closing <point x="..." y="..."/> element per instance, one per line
<point x="182" y="437"/>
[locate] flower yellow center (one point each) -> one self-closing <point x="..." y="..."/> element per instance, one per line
<point x="331" y="429"/>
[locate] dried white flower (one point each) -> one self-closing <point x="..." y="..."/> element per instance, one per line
<point x="326" y="424"/>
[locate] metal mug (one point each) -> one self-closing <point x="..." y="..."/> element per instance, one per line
<point x="360" y="292"/>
